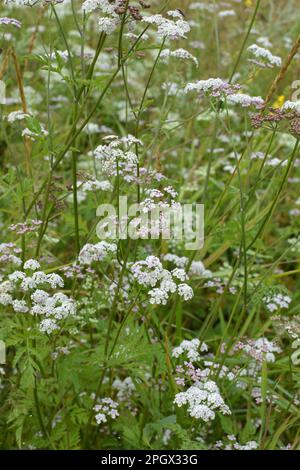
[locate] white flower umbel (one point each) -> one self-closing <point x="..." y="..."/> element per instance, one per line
<point x="226" y="13"/>
<point x="108" y="25"/>
<point x="179" y="54"/>
<point x="48" y="326"/>
<point x="6" y="299"/>
<point x="20" y="306"/>
<point x="32" y="265"/>
<point x="106" y="408"/>
<point x="266" y="58"/>
<point x="197" y="268"/>
<point x="259" y="349"/>
<point x="90" y="253"/>
<point x="16" y="116"/>
<point x="167" y="28"/>
<point x="213" y="86"/>
<point x="203" y="400"/>
<point x="116" y="150"/>
<point x="8" y="252"/>
<point x="185" y="291"/>
<point x="35" y="135"/>
<point x="40" y="301"/>
<point x="180" y="274"/>
<point x="151" y="273"/>
<point x="106" y="6"/>
<point x="276" y="302"/>
<point x="191" y="349"/>
<point x="292" y="106"/>
<point x="90" y="5"/>
<point x="245" y="100"/>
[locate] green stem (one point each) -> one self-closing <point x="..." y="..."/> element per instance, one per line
<point x="273" y="206"/>
<point x="245" y="41"/>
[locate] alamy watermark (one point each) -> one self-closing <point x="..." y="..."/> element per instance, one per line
<point x="180" y="222"/>
<point x="296" y="94"/>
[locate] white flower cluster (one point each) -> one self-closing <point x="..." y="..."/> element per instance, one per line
<point x="95" y="185"/>
<point x="56" y="307"/>
<point x="292" y="106"/>
<point x="116" y="150"/>
<point x="108" y="25"/>
<point x="106" y="408"/>
<point x="213" y="86"/>
<point x="226" y="13"/>
<point x="163" y="198"/>
<point x="179" y="54"/>
<point x="235" y="445"/>
<point x="109" y="22"/>
<point x="8" y="252"/>
<point x="16" y="116"/>
<point x="203" y="400"/>
<point x="289" y="326"/>
<point x="161" y="205"/>
<point x="245" y="100"/>
<point x="35" y="135"/>
<point x="276" y="302"/>
<point x="90" y="253"/>
<point x="53" y="308"/>
<point x="20" y="280"/>
<point x="268" y="59"/>
<point x="259" y="349"/>
<point x="106" y="6"/>
<point x="219" y="285"/>
<point x="90" y="184"/>
<point x="31" y="265"/>
<point x="191" y="348"/>
<point x="272" y="162"/>
<point x="167" y="28"/>
<point x="197" y="268"/>
<point x="150" y="273"/>
<point x="21" y="116"/>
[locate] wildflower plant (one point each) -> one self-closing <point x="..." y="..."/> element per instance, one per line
<point x="142" y="342"/>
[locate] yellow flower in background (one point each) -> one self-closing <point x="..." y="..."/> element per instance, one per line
<point x="279" y="102"/>
<point x="249" y="3"/>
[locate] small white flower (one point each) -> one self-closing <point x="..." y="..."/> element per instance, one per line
<point x="16" y="116"/>
<point x="32" y="265"/>
<point x="203" y="400"/>
<point x="180" y="274"/>
<point x="291" y="106"/>
<point x="179" y="54"/>
<point x="5" y="299"/>
<point x="185" y="291"/>
<point x="20" y="306"/>
<point x="268" y="59"/>
<point x="48" y="326"/>
<point x="106" y="408"/>
<point x="245" y="100"/>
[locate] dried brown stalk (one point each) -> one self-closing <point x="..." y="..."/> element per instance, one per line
<point x="34" y="36"/>
<point x="5" y="64"/>
<point x="283" y="71"/>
